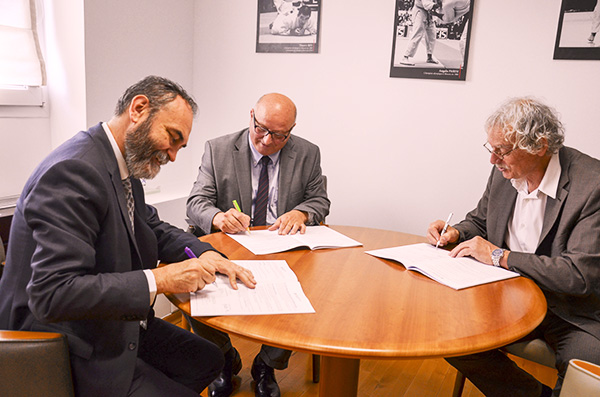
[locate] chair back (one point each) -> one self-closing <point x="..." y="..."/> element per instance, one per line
<point x="34" y="364"/>
<point x="581" y="380"/>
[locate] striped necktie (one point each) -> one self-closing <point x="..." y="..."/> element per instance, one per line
<point x="262" y="194"/>
<point x="130" y="202"/>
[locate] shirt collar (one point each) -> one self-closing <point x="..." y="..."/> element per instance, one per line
<point x="119" y="156"/>
<point x="256" y="156"/>
<point x="549" y="183"/>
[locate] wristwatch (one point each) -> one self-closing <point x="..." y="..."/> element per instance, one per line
<point x="497" y="254"/>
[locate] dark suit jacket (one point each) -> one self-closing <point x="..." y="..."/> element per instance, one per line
<point x="74" y="266"/>
<point x="566" y="263"/>
<point x="225" y="176"/>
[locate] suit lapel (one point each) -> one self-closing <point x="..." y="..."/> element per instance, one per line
<point x="553" y="206"/>
<point x="112" y="167"/>
<point x="286" y="172"/>
<point x="241" y="163"/>
<point x="502" y="205"/>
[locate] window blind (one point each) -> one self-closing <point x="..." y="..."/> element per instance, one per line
<point x="21" y="62"/>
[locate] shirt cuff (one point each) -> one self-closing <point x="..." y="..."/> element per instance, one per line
<point x="151" y="284"/>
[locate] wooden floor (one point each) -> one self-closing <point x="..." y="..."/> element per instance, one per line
<point x="432" y="377"/>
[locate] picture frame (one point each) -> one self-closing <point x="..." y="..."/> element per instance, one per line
<point x="431" y="39"/>
<point x="288" y="26"/>
<point x="577" y="34"/>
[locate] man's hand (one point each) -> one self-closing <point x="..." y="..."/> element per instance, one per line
<point x="230" y="269"/>
<point x="291" y="222"/>
<point x="480" y="249"/>
<point x="231" y="221"/>
<point x="433" y="233"/>
<point x="193" y="274"/>
<point x="188" y="276"/>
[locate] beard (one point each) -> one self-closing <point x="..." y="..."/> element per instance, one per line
<point x="142" y="159"/>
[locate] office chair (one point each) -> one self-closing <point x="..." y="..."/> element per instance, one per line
<point x="582" y="379"/>
<point x="34" y="364"/>
<point x="536" y="350"/>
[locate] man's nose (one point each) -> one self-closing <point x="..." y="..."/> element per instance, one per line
<point x="172" y="153"/>
<point x="268" y="138"/>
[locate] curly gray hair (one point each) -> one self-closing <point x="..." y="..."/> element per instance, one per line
<point x="528" y="124"/>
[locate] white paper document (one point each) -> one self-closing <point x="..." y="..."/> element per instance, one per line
<point x="261" y="242"/>
<point x="435" y="263"/>
<point x="277" y="291"/>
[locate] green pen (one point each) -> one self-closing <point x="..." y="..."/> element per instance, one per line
<point x="237" y="207"/>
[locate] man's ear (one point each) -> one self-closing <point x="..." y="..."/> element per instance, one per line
<point x="140" y="105"/>
<point x="544" y="148"/>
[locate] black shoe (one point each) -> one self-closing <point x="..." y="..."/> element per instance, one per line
<point x="430" y="59"/>
<point x="227" y="382"/>
<point x="264" y="377"/>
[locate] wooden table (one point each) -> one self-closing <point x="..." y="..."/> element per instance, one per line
<point x="368" y="307"/>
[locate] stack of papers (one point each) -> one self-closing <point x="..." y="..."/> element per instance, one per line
<point x="277" y="291"/>
<point x="261" y="242"/>
<point x="435" y="263"/>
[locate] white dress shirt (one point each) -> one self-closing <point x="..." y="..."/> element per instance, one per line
<point x="525" y="225"/>
<point x="125" y="174"/>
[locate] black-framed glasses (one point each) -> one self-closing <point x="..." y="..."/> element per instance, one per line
<point x="262" y="131"/>
<point x="497" y="152"/>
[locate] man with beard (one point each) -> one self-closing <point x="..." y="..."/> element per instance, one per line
<point x="84" y="246"/>
<point x="540" y="217"/>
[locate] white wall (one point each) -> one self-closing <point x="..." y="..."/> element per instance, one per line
<point x="398" y="153"/>
<point x="128" y="40"/>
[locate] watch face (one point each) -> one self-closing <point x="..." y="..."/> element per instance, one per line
<point x="497" y="252"/>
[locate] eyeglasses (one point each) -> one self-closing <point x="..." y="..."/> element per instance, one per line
<point x="262" y="131"/>
<point x="497" y="152"/>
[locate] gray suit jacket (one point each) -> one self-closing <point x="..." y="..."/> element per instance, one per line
<point x="74" y="265"/>
<point x="225" y="176"/>
<point x="566" y="263"/>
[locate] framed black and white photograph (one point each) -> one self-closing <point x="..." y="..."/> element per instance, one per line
<point x="577" y="35"/>
<point x="288" y="26"/>
<point x="431" y="39"/>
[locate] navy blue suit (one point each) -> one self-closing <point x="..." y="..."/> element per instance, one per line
<point x="74" y="265"/>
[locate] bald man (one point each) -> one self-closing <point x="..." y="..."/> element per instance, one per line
<point x="295" y="197"/>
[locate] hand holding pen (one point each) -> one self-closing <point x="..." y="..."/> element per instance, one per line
<point x="237" y="207"/>
<point x="191" y="255"/>
<point x="440" y="233"/>
<point x="232" y="221"/>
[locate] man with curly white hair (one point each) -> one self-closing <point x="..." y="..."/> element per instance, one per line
<point x="540" y="217"/>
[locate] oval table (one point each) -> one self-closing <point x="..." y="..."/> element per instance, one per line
<point x="368" y="307"/>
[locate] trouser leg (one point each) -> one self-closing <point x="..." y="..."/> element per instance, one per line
<point x="275" y="357"/>
<point x="182" y="356"/>
<point x="219" y="338"/>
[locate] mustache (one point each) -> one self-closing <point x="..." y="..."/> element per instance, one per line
<point x="162" y="157"/>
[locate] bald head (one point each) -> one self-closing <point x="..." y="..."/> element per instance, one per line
<point x="274" y="113"/>
<point x="276" y="105"/>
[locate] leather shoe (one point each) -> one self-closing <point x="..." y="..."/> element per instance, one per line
<point x="227" y="382"/>
<point x="264" y="378"/>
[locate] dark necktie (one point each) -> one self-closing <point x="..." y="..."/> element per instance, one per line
<point x="130" y="211"/>
<point x="262" y="194"/>
<point x="130" y="202"/>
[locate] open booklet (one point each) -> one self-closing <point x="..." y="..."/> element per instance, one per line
<point x="277" y="291"/>
<point x="261" y="242"/>
<point x="435" y="263"/>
